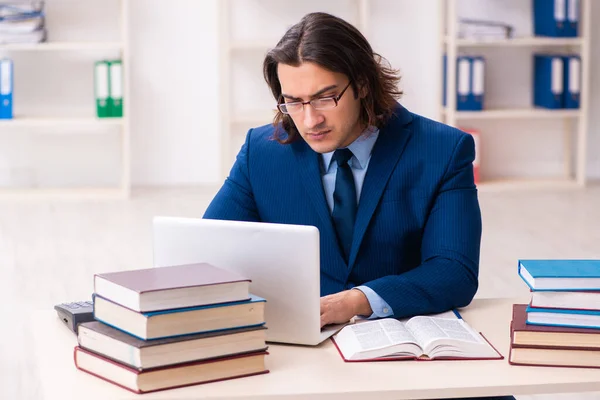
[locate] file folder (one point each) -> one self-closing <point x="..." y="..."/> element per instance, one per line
<point x="469" y="83"/>
<point x="477" y="83"/>
<point x="116" y="88"/>
<point x="549" y="18"/>
<point x="6" y="88"/>
<point x="463" y="83"/>
<point x="102" y="89"/>
<point x="572" y="81"/>
<point x="548" y="81"/>
<point x="572" y="23"/>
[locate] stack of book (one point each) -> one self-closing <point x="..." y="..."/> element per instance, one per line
<point x="175" y="326"/>
<point x="22" y="22"/>
<point x="561" y="324"/>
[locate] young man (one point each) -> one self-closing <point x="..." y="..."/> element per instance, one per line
<point x="391" y="192"/>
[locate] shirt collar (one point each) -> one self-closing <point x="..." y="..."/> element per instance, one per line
<point x="361" y="149"/>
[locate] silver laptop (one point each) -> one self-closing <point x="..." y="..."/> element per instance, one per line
<point x="282" y="261"/>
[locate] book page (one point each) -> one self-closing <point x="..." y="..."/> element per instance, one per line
<point x="428" y="329"/>
<point x="377" y="338"/>
<point x="381" y="333"/>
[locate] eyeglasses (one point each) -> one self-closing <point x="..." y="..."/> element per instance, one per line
<point x="322" y="103"/>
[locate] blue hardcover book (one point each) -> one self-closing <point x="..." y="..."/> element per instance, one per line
<point x="557" y="275"/>
<point x="6" y="89"/>
<point x="563" y="317"/>
<point x="572" y="81"/>
<point x="549" y="18"/>
<point x="572" y="23"/>
<point x="548" y="81"/>
<point x="180" y="321"/>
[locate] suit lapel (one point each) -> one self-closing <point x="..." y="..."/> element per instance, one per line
<point x="308" y="166"/>
<point x="386" y="153"/>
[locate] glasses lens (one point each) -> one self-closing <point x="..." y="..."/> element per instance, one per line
<point x="323" y="104"/>
<point x="291" y="108"/>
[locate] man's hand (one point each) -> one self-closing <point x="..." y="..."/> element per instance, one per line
<point x="341" y="307"/>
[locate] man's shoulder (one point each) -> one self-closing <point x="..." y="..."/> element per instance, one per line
<point x="264" y="136"/>
<point x="429" y="129"/>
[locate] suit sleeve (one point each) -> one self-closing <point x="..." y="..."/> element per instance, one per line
<point x="447" y="277"/>
<point x="235" y="200"/>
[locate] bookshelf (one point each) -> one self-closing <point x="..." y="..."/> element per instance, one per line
<point x="79" y="120"/>
<point x="241" y="56"/>
<point x="574" y="121"/>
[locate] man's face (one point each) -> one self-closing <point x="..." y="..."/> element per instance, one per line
<point x="323" y="130"/>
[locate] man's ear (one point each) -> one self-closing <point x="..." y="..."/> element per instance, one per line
<point x="362" y="88"/>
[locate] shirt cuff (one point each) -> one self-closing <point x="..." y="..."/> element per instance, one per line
<point x="380" y="308"/>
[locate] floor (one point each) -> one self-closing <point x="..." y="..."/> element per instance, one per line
<point x="50" y="250"/>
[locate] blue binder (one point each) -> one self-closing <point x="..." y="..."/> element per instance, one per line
<point x="550" y="18"/>
<point x="6" y="89"/>
<point x="572" y="23"/>
<point x="548" y="81"/>
<point x="477" y="75"/>
<point x="572" y="81"/>
<point x="464" y="97"/>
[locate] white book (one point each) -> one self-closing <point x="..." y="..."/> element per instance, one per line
<point x="440" y="336"/>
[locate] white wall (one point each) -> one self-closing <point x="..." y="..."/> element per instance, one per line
<point x="174" y="88"/>
<point x="174" y="85"/>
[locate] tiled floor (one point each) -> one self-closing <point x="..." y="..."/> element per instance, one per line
<point x="49" y="252"/>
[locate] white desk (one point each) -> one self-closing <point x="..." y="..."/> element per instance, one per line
<point x="319" y="372"/>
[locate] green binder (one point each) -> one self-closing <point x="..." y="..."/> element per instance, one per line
<point x="116" y="88"/>
<point x="102" y="89"/>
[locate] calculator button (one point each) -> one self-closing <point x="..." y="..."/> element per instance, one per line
<point x="71" y="306"/>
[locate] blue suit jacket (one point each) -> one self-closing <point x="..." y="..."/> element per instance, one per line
<point x="418" y="225"/>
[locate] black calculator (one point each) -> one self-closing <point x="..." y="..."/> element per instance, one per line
<point x="73" y="314"/>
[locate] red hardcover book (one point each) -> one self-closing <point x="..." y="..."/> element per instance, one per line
<point x="155" y="379"/>
<point x="164" y="288"/>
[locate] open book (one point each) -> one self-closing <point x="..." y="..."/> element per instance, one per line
<point x="440" y="336"/>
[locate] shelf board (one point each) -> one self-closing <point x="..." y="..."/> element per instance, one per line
<point x="91" y="193"/>
<point x="517" y="113"/>
<point x="60" y="46"/>
<point x="516" y="184"/>
<point x="517" y="42"/>
<point x="59" y="121"/>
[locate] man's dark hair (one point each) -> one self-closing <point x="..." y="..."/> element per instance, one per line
<point x="337" y="46"/>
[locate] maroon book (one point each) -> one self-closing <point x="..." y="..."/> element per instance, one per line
<point x="163" y="288"/>
<point x="144" y="354"/>
<point x="551" y="346"/>
<point x="181" y="375"/>
<point x="523" y="334"/>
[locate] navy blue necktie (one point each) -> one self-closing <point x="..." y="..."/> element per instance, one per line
<point x="344" y="200"/>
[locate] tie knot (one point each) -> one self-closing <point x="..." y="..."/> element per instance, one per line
<point x="342" y="156"/>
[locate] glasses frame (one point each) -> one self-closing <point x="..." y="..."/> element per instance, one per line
<point x="336" y="99"/>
